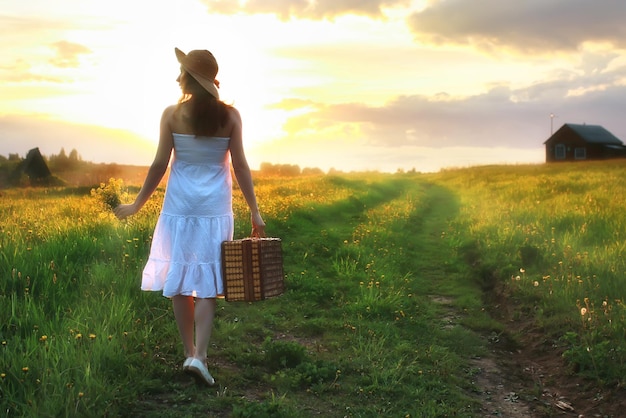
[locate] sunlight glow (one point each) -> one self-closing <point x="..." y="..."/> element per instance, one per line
<point x="361" y="80"/>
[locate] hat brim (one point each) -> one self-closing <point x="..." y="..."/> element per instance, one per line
<point x="207" y="84"/>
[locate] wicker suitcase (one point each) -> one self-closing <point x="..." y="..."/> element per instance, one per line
<point x="252" y="269"/>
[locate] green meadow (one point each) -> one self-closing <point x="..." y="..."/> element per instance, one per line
<point x="360" y="330"/>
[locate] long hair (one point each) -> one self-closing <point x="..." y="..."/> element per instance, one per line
<point x="208" y="113"/>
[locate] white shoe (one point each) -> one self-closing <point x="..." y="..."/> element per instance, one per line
<point x="200" y="372"/>
<point x="187" y="363"/>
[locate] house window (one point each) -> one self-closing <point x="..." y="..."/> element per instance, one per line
<point x="559" y="151"/>
<point x="580" y="153"/>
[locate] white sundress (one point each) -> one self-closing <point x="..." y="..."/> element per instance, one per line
<point x="197" y="216"/>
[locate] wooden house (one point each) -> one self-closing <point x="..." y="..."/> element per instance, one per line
<point x="574" y="142"/>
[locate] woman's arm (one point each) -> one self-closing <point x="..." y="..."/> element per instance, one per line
<point x="156" y="171"/>
<point x="243" y="174"/>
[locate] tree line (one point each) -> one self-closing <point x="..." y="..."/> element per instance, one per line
<point x="74" y="170"/>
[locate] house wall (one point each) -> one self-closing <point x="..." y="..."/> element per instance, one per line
<point x="591" y="152"/>
<point x="569" y="142"/>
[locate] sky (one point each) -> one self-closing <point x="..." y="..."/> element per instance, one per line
<point x="350" y="85"/>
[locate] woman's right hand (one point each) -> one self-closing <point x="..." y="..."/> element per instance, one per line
<point x="258" y="225"/>
<point x="125" y="210"/>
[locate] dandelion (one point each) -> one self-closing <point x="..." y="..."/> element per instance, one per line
<point x="25" y="369"/>
<point x="521" y="270"/>
<point x="3" y="375"/>
<point x="583" y="311"/>
<point x="43" y="338"/>
<point x="92" y="336"/>
<point x="81" y="394"/>
<point x="536" y="283"/>
<point x="79" y="336"/>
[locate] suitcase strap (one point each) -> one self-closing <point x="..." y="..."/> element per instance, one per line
<point x="248" y="272"/>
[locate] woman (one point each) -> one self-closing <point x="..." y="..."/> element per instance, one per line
<point x="197" y="214"/>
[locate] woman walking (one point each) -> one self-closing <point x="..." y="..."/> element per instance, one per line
<point x="200" y="133"/>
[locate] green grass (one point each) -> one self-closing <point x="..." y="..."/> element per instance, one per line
<point x="554" y="235"/>
<point x="358" y="332"/>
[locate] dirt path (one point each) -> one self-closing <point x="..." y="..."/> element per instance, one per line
<point x="496" y="390"/>
<point x="524" y="374"/>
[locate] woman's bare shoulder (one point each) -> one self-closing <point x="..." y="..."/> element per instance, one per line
<point x="234" y="116"/>
<point x="170" y="111"/>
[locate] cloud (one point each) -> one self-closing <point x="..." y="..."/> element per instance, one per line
<point x="20" y="71"/>
<point x="68" y="54"/>
<point x="500" y="117"/>
<point x="19" y="28"/>
<point x="530" y="25"/>
<point x="306" y="9"/>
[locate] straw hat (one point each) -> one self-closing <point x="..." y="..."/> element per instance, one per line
<point x="202" y="66"/>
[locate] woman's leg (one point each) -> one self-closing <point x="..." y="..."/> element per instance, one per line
<point x="204" y="314"/>
<point x="184" y="314"/>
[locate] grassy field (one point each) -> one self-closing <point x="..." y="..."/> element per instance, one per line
<point x="359" y="331"/>
<point x="556" y="234"/>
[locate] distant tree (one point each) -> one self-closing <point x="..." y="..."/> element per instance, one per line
<point x="61" y="161"/>
<point x="287" y="170"/>
<point x="308" y="171"/>
<point x="291" y="170"/>
<point x="14" y="157"/>
<point x="267" y="168"/>
<point x="74" y="156"/>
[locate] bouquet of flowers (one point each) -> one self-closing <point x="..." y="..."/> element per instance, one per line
<point x="110" y="194"/>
